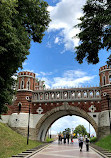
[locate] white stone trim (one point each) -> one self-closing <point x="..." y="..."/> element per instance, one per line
<point x="104" y="118"/>
<point x="26" y="76"/>
<point x="95" y="118"/>
<point x="21" y="120"/>
<point x="24" y="90"/>
<point x="39" y="110"/>
<point x="4" y="118"/>
<point x="105" y="70"/>
<point x="92" y="108"/>
<point x="106" y="85"/>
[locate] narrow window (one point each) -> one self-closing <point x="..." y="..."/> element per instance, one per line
<point x="104" y="82"/>
<point x="22" y="84"/>
<point x="28" y="85"/>
<point x="110" y="79"/>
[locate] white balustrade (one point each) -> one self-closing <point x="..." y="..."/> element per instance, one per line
<point x="67" y="95"/>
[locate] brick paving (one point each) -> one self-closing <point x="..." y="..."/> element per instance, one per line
<point x="56" y="150"/>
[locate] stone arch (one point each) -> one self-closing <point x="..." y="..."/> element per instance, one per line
<point x="51" y="116"/>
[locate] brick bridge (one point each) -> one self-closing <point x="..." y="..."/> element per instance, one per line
<point x="48" y="105"/>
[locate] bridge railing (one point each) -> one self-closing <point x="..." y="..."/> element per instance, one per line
<point x="74" y="94"/>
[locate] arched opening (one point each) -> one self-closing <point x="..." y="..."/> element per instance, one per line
<point x="104" y="81"/>
<point x="50" y="117"/>
<point x="110" y="79"/>
<point x="28" y="85"/>
<point x="22" y="84"/>
<point x="70" y="122"/>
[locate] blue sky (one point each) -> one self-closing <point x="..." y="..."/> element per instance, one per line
<point x="54" y="59"/>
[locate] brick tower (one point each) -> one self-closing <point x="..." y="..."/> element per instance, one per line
<point x="26" y="85"/>
<point x="105" y="85"/>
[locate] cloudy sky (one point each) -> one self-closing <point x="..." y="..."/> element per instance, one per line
<point x="54" y="59"/>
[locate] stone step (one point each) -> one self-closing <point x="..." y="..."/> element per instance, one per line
<point x="32" y="150"/>
<point x="103" y="151"/>
<point x="18" y="156"/>
<point x="27" y="152"/>
<point x="23" y="154"/>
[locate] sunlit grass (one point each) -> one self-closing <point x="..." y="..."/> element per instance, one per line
<point x="49" y="139"/>
<point x="12" y="143"/>
<point x="105" y="142"/>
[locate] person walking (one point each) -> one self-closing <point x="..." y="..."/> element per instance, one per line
<point x="80" y="142"/>
<point x="59" y="138"/>
<point x="64" y="139"/>
<point x="87" y="143"/>
<point x="71" y="139"/>
<point x="67" y="136"/>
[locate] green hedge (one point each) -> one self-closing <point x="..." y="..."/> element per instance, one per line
<point x="93" y="139"/>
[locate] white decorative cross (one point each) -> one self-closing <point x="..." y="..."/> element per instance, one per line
<point x="39" y="110"/>
<point x="92" y="108"/>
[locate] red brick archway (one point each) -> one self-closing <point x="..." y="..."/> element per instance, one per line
<point x="51" y="116"/>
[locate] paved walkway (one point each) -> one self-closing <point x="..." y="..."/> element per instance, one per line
<point x="56" y="150"/>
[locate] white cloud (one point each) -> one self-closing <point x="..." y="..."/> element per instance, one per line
<point x="24" y="63"/>
<point x="46" y="73"/>
<point x="70" y="78"/>
<point x="74" y="73"/>
<point x="48" y="45"/>
<point x="29" y="70"/>
<point x="65" y="16"/>
<point x="37" y="74"/>
<point x="47" y="82"/>
<point x="56" y="40"/>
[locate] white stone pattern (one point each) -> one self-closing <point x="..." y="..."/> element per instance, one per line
<point x="92" y="108"/>
<point x="39" y="110"/>
<point x="73" y="94"/>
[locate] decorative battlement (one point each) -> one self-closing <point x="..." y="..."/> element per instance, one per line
<point x="105" y="75"/>
<point x="26" y="73"/>
<point x="104" y="68"/>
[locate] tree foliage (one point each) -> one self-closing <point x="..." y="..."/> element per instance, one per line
<point x="95" y="30"/>
<point x="67" y="131"/>
<point x="80" y="129"/>
<point x="21" y="22"/>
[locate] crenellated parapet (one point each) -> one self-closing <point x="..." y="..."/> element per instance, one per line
<point x="105" y="76"/>
<point x="26" y="81"/>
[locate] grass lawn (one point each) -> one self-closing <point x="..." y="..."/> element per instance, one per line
<point x="105" y="142"/>
<point x="12" y="143"/>
<point x="49" y="139"/>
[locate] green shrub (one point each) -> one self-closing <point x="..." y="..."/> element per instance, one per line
<point x="93" y="139"/>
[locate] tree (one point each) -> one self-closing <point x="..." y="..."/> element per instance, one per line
<point x="21" y="22"/>
<point x="95" y="30"/>
<point x="67" y="131"/>
<point x="80" y="129"/>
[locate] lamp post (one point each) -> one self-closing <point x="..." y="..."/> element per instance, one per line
<point x="108" y="99"/>
<point x="28" y="98"/>
<point x="89" y="130"/>
<point x="50" y="133"/>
